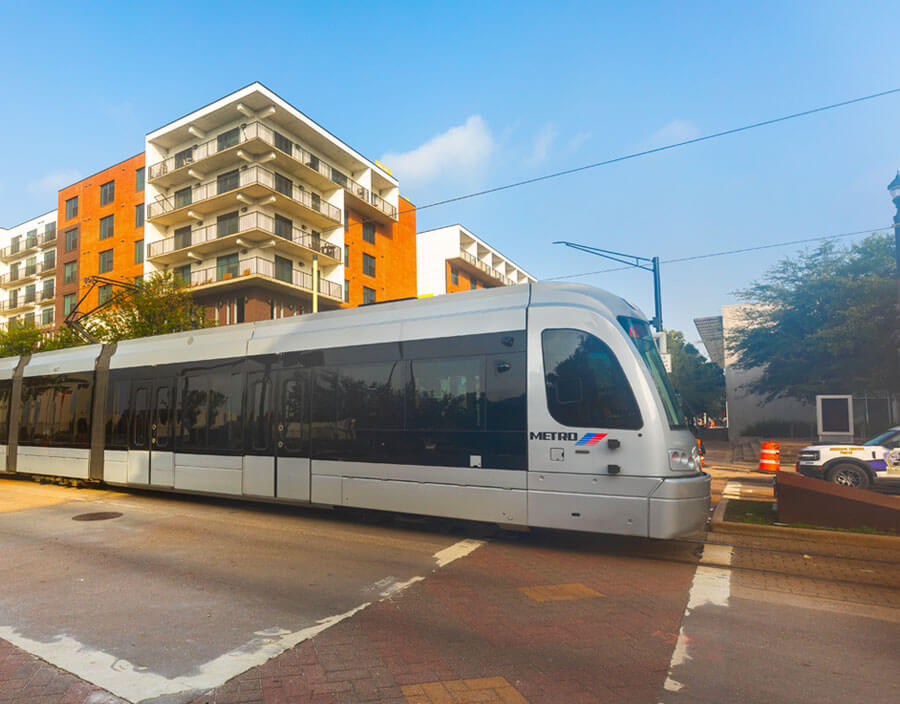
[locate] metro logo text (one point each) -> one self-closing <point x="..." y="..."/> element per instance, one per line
<point x="553" y="436"/>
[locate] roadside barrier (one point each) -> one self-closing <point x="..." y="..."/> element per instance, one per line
<point x="769" y="457"/>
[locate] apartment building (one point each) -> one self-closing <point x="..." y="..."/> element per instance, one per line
<point x="28" y="271"/>
<point x="101" y="231"/>
<point x="266" y="214"/>
<point x="451" y="259"/>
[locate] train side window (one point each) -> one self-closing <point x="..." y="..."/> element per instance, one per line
<point x="5" y="390"/>
<point x="323" y="409"/>
<point x="224" y="429"/>
<point x="194" y="411"/>
<point x="141" y="409"/>
<point x="371" y="396"/>
<point x="81" y="410"/>
<point x="447" y="394"/>
<point x="505" y="394"/>
<point x="117" y="414"/>
<point x="585" y="384"/>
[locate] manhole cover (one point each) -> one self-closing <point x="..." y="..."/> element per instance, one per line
<point x="99" y="516"/>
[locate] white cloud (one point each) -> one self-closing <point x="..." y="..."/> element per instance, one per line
<point x="54" y="181"/>
<point x="577" y="142"/>
<point x="672" y="133"/>
<point x="460" y="153"/>
<point x="542" y="144"/>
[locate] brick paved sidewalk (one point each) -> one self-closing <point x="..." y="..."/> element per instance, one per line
<point x="511" y="623"/>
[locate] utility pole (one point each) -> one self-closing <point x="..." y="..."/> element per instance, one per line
<point x="894" y="190"/>
<point x="650" y="264"/>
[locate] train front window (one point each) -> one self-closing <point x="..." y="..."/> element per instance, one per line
<point x="639" y="332"/>
<point x="586" y="386"/>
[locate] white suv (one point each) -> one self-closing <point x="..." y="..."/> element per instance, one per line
<point x="876" y="461"/>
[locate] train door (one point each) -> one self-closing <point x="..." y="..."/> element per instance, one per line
<point x="291" y="435"/>
<point x="276" y="462"/>
<point x="150" y="457"/>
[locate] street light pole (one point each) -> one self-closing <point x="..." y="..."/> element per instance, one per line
<point x="650" y="264"/>
<point x="894" y="190"/>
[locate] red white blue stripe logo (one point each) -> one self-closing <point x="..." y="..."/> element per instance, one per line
<point x="590" y="439"/>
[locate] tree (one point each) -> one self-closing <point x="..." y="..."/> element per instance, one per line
<point x="700" y="383"/>
<point x="161" y="304"/>
<point x="825" y="322"/>
<point x="19" y="338"/>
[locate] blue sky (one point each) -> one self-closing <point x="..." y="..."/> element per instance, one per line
<point x="458" y="97"/>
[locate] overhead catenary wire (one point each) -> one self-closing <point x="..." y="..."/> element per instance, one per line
<point x="727" y="252"/>
<point x="645" y="152"/>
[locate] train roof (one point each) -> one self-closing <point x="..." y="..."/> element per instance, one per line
<point x="472" y="312"/>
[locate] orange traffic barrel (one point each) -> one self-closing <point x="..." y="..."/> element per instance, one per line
<point x="702" y="452"/>
<point x="769" y="457"/>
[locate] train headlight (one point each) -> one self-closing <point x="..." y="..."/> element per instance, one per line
<point x="685" y="460"/>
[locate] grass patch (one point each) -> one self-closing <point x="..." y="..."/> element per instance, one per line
<point x="760" y="513"/>
<point x="763" y="513"/>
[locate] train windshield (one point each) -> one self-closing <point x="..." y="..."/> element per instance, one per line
<point x="640" y="335"/>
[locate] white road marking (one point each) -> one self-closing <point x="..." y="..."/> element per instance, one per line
<point x="135" y="683"/>
<point x="711" y="585"/>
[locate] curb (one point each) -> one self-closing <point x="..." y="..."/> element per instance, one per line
<point x="718" y="524"/>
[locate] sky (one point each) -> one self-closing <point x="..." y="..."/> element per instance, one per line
<point x="462" y="97"/>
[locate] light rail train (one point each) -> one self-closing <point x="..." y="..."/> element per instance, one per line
<point x="531" y="405"/>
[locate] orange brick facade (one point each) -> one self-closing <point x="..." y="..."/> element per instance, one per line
<point x="464" y="280"/>
<point x="86" y="225"/>
<point x="394" y="251"/>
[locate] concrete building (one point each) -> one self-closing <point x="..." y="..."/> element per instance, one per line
<point x="451" y="259"/>
<point x="249" y="200"/>
<point x="743" y="407"/>
<point x="28" y="271"/>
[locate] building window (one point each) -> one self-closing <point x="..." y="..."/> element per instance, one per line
<point x="139" y="180"/>
<point x="227" y="267"/>
<point x="228" y="139"/>
<point x="107" y="225"/>
<point x="183" y="237"/>
<point x="227" y="181"/>
<point x="29" y="319"/>
<point x="283" y="269"/>
<point x="49" y="260"/>
<point x="139" y="215"/>
<point x="227" y="224"/>
<point x="14" y="299"/>
<point x="70" y="272"/>
<point x="368" y="264"/>
<point x="368" y="295"/>
<point x="369" y="232"/>
<point x="284" y="185"/>
<point x="68" y="303"/>
<point x="284" y="227"/>
<point x="107" y="192"/>
<point x="454" y="276"/>
<point x="48" y="289"/>
<point x="104" y="293"/>
<point x="71" y="239"/>
<point x="346" y="255"/>
<point x="473" y="284"/>
<point x="184" y="157"/>
<point x="49" y="232"/>
<point x="47" y="316"/>
<point x="31" y="239"/>
<point x="283" y="143"/>
<point x="183" y="197"/>
<point x="139" y="252"/>
<point x="346" y="290"/>
<point x="31" y="266"/>
<point x="72" y="208"/>
<point x="30" y="293"/>
<point x="106" y="261"/>
<point x="183" y="274"/>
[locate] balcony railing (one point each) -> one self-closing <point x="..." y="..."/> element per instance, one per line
<point x="247" y="221"/>
<point x="20" y="246"/>
<point x="26" y="272"/>
<point x="257" y="130"/>
<point x="248" y="177"/>
<point x="487" y="269"/>
<point x="257" y="266"/>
